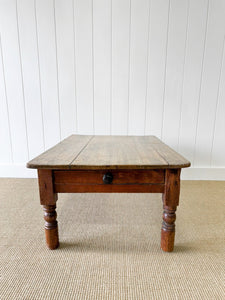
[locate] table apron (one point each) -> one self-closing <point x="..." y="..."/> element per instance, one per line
<point x="108" y="188"/>
<point x="124" y="181"/>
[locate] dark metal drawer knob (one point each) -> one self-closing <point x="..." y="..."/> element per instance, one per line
<point x="108" y="178"/>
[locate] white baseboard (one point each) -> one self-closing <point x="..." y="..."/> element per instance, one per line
<point x="20" y="171"/>
<point x="17" y="171"/>
<point x="203" y="174"/>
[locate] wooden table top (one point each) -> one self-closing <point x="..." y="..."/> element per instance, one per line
<point x="109" y="152"/>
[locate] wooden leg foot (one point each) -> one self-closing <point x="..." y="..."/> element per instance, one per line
<point x="51" y="226"/>
<point x="168" y="229"/>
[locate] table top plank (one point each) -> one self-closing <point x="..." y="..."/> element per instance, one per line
<point x="119" y="152"/>
<point x="109" y="152"/>
<point x="61" y="155"/>
<point x="171" y="156"/>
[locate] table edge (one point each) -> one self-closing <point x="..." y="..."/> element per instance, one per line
<point x="107" y="167"/>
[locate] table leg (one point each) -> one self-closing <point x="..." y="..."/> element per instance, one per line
<point x="48" y="199"/>
<point x="51" y="226"/>
<point x="168" y="229"/>
<point x="170" y="203"/>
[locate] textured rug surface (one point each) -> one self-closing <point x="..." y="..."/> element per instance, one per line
<point x="110" y="245"/>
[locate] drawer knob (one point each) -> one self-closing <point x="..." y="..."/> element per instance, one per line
<point x="108" y="178"/>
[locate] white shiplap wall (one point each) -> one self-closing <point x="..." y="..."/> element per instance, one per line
<point x="113" y="67"/>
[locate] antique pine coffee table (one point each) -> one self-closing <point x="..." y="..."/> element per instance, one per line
<point x="110" y="164"/>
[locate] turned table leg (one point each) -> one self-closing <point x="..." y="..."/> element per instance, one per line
<point x="170" y="203"/>
<point x="51" y="226"/>
<point x="168" y="229"/>
<point x="48" y="199"/>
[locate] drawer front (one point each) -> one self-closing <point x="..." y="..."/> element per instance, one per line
<point x="109" y="177"/>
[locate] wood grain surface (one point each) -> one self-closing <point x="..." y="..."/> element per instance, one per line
<point x="62" y="154"/>
<point x="109" y="152"/>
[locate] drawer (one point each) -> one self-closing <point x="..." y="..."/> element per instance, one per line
<point x="109" y="177"/>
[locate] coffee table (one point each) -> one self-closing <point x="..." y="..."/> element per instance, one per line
<point x="110" y="164"/>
